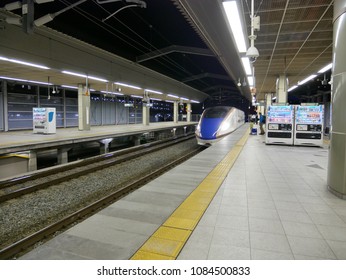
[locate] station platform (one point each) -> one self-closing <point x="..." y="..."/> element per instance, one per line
<point x="239" y="199"/>
<point x="16" y="141"/>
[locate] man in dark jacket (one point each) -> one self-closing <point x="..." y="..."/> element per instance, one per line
<point x="261" y="123"/>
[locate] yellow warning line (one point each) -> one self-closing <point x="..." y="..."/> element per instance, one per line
<point x="167" y="242"/>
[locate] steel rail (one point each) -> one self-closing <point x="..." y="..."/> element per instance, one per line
<point x="21" y="245"/>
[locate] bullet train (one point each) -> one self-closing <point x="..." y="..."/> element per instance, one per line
<point x="217" y="122"/>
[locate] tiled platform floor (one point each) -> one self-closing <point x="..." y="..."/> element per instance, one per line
<point x="273" y="205"/>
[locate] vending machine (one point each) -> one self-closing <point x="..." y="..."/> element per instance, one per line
<point x="309" y="125"/>
<point x="44" y="120"/>
<point x="279" y="124"/>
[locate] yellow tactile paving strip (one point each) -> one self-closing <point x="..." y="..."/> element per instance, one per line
<point x="168" y="240"/>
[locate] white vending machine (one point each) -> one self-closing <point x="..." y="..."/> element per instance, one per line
<point x="279" y="124"/>
<point x="44" y="120"/>
<point x="309" y="125"/>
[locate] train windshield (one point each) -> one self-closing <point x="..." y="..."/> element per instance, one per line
<point x="216" y="112"/>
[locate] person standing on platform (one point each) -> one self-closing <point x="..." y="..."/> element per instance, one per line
<point x="261" y="123"/>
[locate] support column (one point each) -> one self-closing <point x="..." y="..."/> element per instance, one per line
<point x="336" y="179"/>
<point x="175" y="112"/>
<point x="268" y="100"/>
<point x="83" y="107"/>
<point x="5" y="95"/>
<point x="145" y="114"/>
<point x="189" y="111"/>
<point x="63" y="155"/>
<point x="32" y="163"/>
<point x="104" y="145"/>
<point x="281" y="89"/>
<point x="136" y="140"/>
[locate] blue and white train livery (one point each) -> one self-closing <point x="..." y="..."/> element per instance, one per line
<point x="217" y="122"/>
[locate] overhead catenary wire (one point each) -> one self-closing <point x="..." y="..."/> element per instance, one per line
<point x="128" y="39"/>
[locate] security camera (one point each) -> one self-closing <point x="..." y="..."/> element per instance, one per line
<point x="252" y="53"/>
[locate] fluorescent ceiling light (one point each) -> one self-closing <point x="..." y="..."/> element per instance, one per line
<point x="250" y="81"/>
<point x="326" y="68"/>
<point x="292" y="88"/>
<point x="153" y="91"/>
<point x="170" y="101"/>
<point x="246" y="65"/>
<point x="97" y="79"/>
<point x="233" y="16"/>
<point x="126" y="85"/>
<point x="172" y="95"/>
<point x="25" y="81"/>
<point x="74" y="74"/>
<point x="136" y="96"/>
<point x="84" y="76"/>
<point x="111" y="92"/>
<point x="66" y="86"/>
<point x="183" y="98"/>
<point x="157" y="99"/>
<point x="24" y="63"/>
<point x="307" y="79"/>
<point x="194" y="101"/>
<point x="274" y="98"/>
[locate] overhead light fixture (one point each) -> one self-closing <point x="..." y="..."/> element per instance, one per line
<point x="14" y="20"/>
<point x="291" y="88"/>
<point x="172" y="95"/>
<point x="194" y="101"/>
<point x="127" y="85"/>
<point x="24" y="63"/>
<point x="153" y="91"/>
<point x="326" y="68"/>
<point x="13" y="6"/>
<point x="233" y="17"/>
<point x="97" y="79"/>
<point x="247" y="65"/>
<point x="307" y="79"/>
<point x="136" y="96"/>
<point x="183" y="98"/>
<point x="43" y="1"/>
<point x="250" y="81"/>
<point x="239" y="83"/>
<point x="84" y="76"/>
<point x="156" y="99"/>
<point x="24" y="81"/>
<point x="49" y="17"/>
<point x="66" y="86"/>
<point x="74" y="74"/>
<point x="43" y="20"/>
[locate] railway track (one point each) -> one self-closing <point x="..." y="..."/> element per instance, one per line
<point x="26" y="184"/>
<point x="119" y="157"/>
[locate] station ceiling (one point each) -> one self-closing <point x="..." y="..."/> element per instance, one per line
<point x="189" y="41"/>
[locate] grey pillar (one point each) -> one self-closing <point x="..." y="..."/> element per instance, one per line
<point x="83" y="107"/>
<point x="32" y="163"/>
<point x="281" y="89"/>
<point x="63" y="155"/>
<point x="189" y="111"/>
<point x="146" y="114"/>
<point x="175" y="112"/>
<point x="336" y="179"/>
<point x="5" y="95"/>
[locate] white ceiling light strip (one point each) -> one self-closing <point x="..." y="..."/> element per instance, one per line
<point x="233" y="17"/>
<point x="127" y="85"/>
<point x="84" y="76"/>
<point x="24" y="63"/>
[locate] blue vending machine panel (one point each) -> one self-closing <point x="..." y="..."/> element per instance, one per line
<point x="309" y="125"/>
<point x="279" y="124"/>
